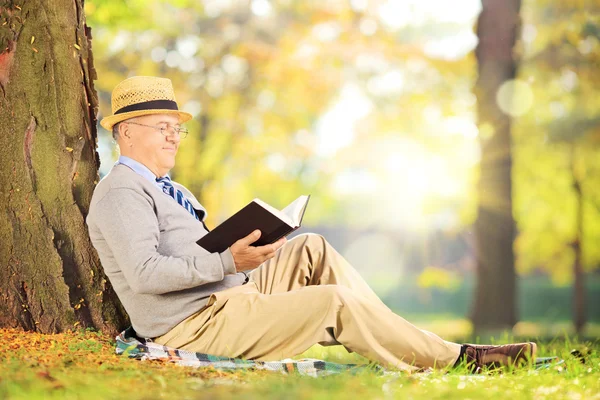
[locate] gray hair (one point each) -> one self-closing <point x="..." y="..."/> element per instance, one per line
<point x="115" y="131"/>
<point x="115" y="128"/>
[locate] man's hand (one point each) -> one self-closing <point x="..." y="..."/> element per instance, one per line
<point x="249" y="257"/>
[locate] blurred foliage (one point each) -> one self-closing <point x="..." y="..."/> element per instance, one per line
<point x="434" y="277"/>
<point x="557" y="140"/>
<point x="262" y="77"/>
<point x="538" y="299"/>
<point x="368" y="105"/>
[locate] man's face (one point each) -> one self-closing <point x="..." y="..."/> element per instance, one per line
<point x="148" y="145"/>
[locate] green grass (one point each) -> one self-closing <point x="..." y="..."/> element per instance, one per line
<point x="81" y="365"/>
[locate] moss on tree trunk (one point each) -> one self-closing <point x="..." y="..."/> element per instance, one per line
<point x="50" y="276"/>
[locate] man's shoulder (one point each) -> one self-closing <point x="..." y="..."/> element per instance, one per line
<point x="121" y="177"/>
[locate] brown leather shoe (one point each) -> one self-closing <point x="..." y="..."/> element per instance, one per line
<point x="478" y="357"/>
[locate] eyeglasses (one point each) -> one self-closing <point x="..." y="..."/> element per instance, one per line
<point x="167" y="130"/>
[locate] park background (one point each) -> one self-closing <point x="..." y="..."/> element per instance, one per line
<point x="371" y="107"/>
<point x="450" y="148"/>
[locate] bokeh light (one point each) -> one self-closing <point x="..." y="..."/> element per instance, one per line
<point x="515" y="97"/>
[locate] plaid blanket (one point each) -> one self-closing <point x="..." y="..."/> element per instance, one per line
<point x="137" y="348"/>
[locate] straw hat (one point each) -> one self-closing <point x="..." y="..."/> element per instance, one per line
<point x="142" y="95"/>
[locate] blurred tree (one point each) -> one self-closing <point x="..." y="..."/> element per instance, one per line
<point x="494" y="305"/>
<point x="557" y="201"/>
<point x="50" y="278"/>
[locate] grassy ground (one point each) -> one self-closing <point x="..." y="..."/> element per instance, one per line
<point x="83" y="365"/>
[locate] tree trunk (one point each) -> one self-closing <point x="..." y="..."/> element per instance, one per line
<point x="50" y="275"/>
<point x="578" y="287"/>
<point x="494" y="306"/>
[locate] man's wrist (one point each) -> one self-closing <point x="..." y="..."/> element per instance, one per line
<point x="228" y="262"/>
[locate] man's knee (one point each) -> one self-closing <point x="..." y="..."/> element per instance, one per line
<point x="314" y="241"/>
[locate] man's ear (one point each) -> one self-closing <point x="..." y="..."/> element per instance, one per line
<point x="124" y="131"/>
<point x="125" y="135"/>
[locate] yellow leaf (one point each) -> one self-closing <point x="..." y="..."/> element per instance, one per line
<point x="32" y="39"/>
<point x="69" y="149"/>
<point x="77" y="46"/>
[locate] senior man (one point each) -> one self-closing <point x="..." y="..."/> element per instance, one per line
<point x="264" y="303"/>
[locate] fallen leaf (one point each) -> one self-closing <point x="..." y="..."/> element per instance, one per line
<point x="45" y="375"/>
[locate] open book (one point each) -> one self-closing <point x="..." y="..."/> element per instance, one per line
<point x="272" y="223"/>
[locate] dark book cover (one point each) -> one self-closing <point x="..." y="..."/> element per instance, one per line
<point x="241" y="224"/>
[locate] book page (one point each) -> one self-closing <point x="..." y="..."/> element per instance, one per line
<point x="295" y="210"/>
<point x="292" y="214"/>
<point x="275" y="212"/>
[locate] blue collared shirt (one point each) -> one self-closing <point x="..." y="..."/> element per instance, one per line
<point x="142" y="170"/>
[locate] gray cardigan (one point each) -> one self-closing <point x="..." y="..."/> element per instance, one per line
<point x="147" y="245"/>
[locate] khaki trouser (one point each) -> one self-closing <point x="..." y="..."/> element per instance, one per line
<point x="307" y="294"/>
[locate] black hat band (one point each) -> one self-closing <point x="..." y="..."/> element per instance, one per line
<point x="149" y="105"/>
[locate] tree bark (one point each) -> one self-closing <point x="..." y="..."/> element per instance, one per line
<point x="494" y="306"/>
<point x="50" y="275"/>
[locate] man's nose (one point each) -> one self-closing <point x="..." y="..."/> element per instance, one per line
<point x="174" y="138"/>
